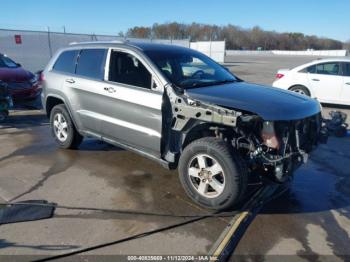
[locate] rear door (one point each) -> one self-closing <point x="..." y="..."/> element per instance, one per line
<point x="132" y="102"/>
<point x="326" y="81"/>
<point x="88" y="88"/>
<point x="345" y="95"/>
<point x="57" y="79"/>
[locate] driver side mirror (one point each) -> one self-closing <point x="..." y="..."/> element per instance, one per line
<point x="18" y="64"/>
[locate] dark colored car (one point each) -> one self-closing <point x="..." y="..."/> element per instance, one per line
<point x="22" y="84"/>
<point x="5" y="101"/>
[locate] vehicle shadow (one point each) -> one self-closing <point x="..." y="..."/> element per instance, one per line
<point x="318" y="199"/>
<point x="320" y="185"/>
<point x="25" y="119"/>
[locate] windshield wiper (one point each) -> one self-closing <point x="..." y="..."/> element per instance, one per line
<point x="224" y="81"/>
<point x="203" y="84"/>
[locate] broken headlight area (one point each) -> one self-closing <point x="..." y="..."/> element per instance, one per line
<point x="276" y="148"/>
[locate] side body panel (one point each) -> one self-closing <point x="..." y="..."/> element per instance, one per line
<point x="326" y="88"/>
<point x="345" y="93"/>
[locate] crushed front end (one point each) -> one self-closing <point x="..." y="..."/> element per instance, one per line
<point x="277" y="148"/>
<point x="269" y="148"/>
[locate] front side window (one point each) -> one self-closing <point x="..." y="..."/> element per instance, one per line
<point x="347" y="69"/>
<point x="127" y="69"/>
<point x="91" y="63"/>
<point x="7" y="62"/>
<point x="189" y="69"/>
<point x="328" y="69"/>
<point x="66" y="62"/>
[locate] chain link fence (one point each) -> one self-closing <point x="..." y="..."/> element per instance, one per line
<point x="33" y="49"/>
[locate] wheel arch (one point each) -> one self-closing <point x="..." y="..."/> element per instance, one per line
<point x="52" y="101"/>
<point x="202" y="130"/>
<point x="304" y="86"/>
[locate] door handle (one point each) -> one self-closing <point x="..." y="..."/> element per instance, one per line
<point x="109" y="89"/>
<point x="315" y="79"/>
<point x="70" y="80"/>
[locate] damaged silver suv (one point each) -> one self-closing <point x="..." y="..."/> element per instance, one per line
<point x="180" y="108"/>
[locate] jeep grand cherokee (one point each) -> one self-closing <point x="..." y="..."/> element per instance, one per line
<point x="180" y="108"/>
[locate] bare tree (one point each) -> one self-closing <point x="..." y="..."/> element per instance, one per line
<point x="236" y="37"/>
<point x="347" y="45"/>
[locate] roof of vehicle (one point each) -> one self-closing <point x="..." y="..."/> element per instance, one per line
<point x="322" y="60"/>
<point x="333" y="59"/>
<point x="144" y="46"/>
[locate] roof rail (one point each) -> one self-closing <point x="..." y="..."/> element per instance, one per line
<point x="99" y="42"/>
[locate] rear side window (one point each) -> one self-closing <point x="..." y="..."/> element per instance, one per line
<point x="328" y="69"/>
<point x="66" y="62"/>
<point x="91" y="63"/>
<point x="323" y="69"/>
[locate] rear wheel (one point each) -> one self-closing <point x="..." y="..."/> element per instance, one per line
<point x="63" y="128"/>
<point x="212" y="174"/>
<point x="301" y="90"/>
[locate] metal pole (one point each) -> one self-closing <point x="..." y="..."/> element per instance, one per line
<point x="49" y="41"/>
<point x="210" y="48"/>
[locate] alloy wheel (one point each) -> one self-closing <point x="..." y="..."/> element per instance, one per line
<point x="60" y="127"/>
<point x="206" y="175"/>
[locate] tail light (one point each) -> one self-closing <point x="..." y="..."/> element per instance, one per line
<point x="41" y="77"/>
<point x="268" y="135"/>
<point x="279" y="76"/>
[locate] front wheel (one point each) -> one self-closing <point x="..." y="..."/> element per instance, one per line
<point x="212" y="173"/>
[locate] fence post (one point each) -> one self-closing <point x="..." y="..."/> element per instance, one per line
<point x="210" y="49"/>
<point x="49" y="41"/>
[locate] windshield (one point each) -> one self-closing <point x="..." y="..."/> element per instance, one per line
<point x="189" y="69"/>
<point x="7" y="62"/>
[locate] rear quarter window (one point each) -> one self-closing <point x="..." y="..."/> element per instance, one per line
<point x="66" y="62"/>
<point x="309" y="69"/>
<point x="91" y="63"/>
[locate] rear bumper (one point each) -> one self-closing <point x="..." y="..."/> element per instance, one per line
<point x="279" y="83"/>
<point x="26" y="94"/>
<point x="6" y="103"/>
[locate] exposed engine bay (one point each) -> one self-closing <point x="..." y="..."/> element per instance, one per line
<point x="273" y="148"/>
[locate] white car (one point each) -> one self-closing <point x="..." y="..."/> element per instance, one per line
<point x="328" y="80"/>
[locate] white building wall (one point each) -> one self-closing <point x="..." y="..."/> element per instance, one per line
<point x="213" y="49"/>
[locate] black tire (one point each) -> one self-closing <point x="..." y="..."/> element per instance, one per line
<point x="3" y="115"/>
<point x="234" y="170"/>
<point x="301" y="90"/>
<point x="73" y="139"/>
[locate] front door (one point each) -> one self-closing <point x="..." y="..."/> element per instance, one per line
<point x="133" y="103"/>
<point x="345" y="95"/>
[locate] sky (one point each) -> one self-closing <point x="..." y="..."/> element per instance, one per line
<point x="322" y="18"/>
